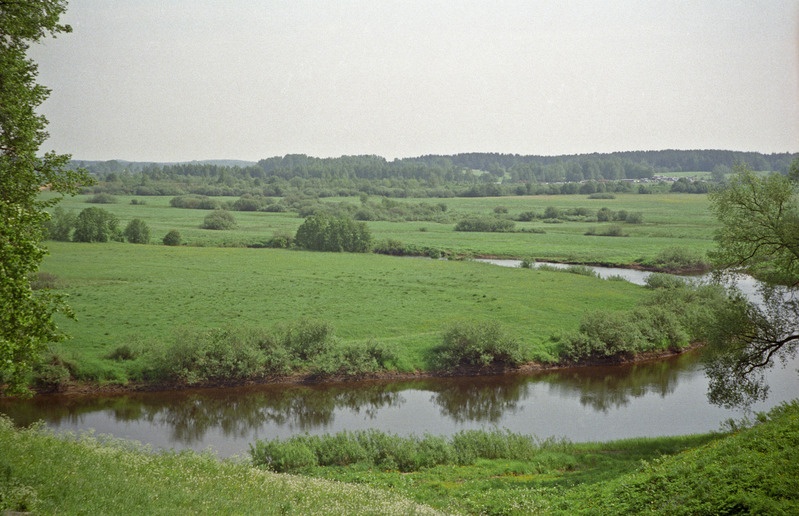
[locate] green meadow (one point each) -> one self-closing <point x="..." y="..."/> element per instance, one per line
<point x="144" y="295"/>
<point x="131" y="300"/>
<point x="669" y="220"/>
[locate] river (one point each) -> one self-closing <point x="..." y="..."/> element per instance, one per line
<point x="664" y="397"/>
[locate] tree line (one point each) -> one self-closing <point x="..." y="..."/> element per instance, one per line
<point x="457" y="168"/>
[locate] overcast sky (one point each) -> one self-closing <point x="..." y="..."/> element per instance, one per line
<point x="173" y="80"/>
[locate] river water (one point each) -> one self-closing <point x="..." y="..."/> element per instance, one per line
<point x="664" y="397"/>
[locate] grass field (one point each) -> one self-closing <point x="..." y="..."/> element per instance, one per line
<point x="668" y="220"/>
<point x="144" y="295"/>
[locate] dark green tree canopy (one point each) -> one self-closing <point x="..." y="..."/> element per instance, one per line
<point x="26" y="317"/>
<point x="323" y="232"/>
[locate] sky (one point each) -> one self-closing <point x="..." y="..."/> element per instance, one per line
<point x="181" y="80"/>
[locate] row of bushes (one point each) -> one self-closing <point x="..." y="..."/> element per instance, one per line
<point x="233" y="355"/>
<point x="389" y="452"/>
<point x="674" y="317"/>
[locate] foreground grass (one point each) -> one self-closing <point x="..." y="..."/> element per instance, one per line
<point x="46" y="474"/>
<point x="750" y="471"/>
<point x="755" y="470"/>
<point x="145" y="296"/>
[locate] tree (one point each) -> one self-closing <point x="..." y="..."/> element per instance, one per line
<point x="323" y="232"/>
<point x="759" y="235"/>
<point x="137" y="232"/>
<point x="26" y="316"/>
<point x="96" y="225"/>
<point x="61" y="224"/>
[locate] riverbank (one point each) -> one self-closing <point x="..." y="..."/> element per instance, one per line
<point x="93" y="389"/>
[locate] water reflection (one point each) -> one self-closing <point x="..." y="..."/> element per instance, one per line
<point x="219" y="417"/>
<point x="484" y="400"/>
<point x="603" y="388"/>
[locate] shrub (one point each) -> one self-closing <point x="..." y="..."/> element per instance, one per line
<point x="354" y="360"/>
<point x="581" y="270"/>
<point x="485" y="224"/>
<point x="306" y="339"/>
<point x="137" y="232"/>
<point x="678" y="259"/>
<point x="604" y="215"/>
<point x="604" y="334"/>
<point x="44" y="280"/>
<point x="211" y="355"/>
<point x="478" y="344"/>
<point x="172" y="238"/>
<point x="601" y="195"/>
<point x="281" y="457"/>
<point x="219" y="220"/>
<point x="551" y="212"/>
<point x="280" y="240"/>
<point x="102" y="198"/>
<point x="635" y="217"/>
<point x="196" y="202"/>
<point x="123" y="352"/>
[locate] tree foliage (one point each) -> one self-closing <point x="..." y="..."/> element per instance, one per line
<point x="137" y="232"/>
<point x="323" y="232"/>
<point x="96" y="225"/>
<point x="26" y="316"/>
<point x="759" y="235"/>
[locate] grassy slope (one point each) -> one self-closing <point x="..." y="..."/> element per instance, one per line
<point x="51" y="475"/>
<point x="754" y="470"/>
<point x="142" y="295"/>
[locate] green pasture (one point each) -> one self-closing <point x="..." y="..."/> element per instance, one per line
<point x="669" y="220"/>
<point x="144" y="295"/>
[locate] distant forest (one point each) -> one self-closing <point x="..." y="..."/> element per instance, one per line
<point x="469" y="174"/>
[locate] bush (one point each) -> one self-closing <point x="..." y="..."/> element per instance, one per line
<point x="219" y="220"/>
<point x="306" y="339"/>
<point x="280" y="240"/>
<point x="210" y="355"/>
<point x="601" y="195"/>
<point x="678" y="259"/>
<point x="172" y="238"/>
<point x="605" y="334"/>
<point x="635" y="217"/>
<point x="551" y="212"/>
<point x="102" y="198"/>
<point x="281" y="457"/>
<point x="137" y="232"/>
<point x="477" y="344"/>
<point x="354" y="360"/>
<point x="485" y="224"/>
<point x="195" y="202"/>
